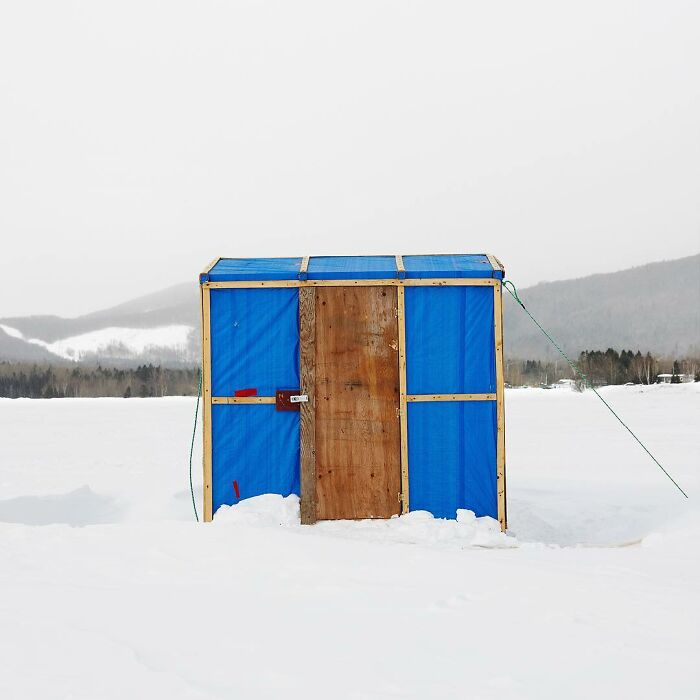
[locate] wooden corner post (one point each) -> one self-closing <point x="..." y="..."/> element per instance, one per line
<point x="206" y="403"/>
<point x="403" y="404"/>
<point x="307" y="419"/>
<point x="500" y="407"/>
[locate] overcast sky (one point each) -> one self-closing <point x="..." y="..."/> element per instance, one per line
<point x="139" y="140"/>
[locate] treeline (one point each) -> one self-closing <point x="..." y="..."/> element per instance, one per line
<point x="61" y="381"/>
<point x="602" y="367"/>
<point x="35" y="381"/>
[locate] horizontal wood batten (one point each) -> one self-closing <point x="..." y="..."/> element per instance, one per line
<point x="424" y="282"/>
<point x="450" y="397"/>
<point x="242" y="399"/>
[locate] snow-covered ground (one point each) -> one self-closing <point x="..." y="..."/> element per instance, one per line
<point x="108" y="589"/>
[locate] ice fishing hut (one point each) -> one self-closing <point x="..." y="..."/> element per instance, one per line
<point x="369" y="385"/>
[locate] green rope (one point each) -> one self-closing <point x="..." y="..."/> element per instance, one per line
<point x="194" y="432"/>
<point x="514" y="294"/>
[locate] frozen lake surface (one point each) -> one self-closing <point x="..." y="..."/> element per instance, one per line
<point x="109" y="589"/>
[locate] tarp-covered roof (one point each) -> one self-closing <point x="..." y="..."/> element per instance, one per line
<point x="353" y="267"/>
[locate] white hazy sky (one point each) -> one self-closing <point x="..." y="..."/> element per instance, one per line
<point x="138" y="140"/>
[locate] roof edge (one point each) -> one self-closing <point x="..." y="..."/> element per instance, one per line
<point x="496" y="264"/>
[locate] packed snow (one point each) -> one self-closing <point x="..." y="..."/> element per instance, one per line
<point x="109" y="589"/>
<point x="417" y="527"/>
<point x="115" y="342"/>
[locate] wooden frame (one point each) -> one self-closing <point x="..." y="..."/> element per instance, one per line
<point x="496" y="264"/>
<point x="500" y="407"/>
<point x="411" y="398"/>
<point x="243" y="399"/>
<point x="210" y="266"/>
<point x="403" y="407"/>
<point x="206" y="404"/>
<point x="307" y="300"/>
<point x="422" y="282"/>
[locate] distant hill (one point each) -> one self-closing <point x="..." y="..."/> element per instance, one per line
<point x="174" y="305"/>
<point x="162" y="328"/>
<point x="655" y="307"/>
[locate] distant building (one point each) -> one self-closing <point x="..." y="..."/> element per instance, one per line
<point x="668" y="378"/>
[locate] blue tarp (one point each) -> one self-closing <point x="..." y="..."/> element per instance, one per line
<point x="351" y="267"/>
<point x="254" y="340"/>
<point x="449" y="266"/>
<point x="452" y="457"/>
<point x="449" y="340"/>
<point x="258" y="448"/>
<point x="449" y="349"/>
<point x="230" y="269"/>
<point x="254" y="345"/>
<point x="451" y="445"/>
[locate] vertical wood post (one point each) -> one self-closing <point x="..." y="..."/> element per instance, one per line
<point x="307" y="427"/>
<point x="500" y="406"/>
<point x="206" y="404"/>
<point x="403" y="407"/>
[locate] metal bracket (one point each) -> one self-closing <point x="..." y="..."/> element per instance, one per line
<point x="289" y="399"/>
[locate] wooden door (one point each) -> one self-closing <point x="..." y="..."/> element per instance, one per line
<point x="356" y="403"/>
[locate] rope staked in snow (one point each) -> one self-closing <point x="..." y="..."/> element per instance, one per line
<point x="514" y="293"/>
<point x="194" y="432"/>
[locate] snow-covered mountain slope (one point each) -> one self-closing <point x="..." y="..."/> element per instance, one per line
<point x="174" y="342"/>
<point x="162" y="328"/>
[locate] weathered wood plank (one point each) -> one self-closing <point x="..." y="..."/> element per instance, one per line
<point x="496" y="263"/>
<point x="307" y="410"/>
<point x="357" y="399"/>
<point x="500" y="408"/>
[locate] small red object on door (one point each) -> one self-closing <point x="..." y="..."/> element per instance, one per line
<point x="245" y="392"/>
<point x="235" y="488"/>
